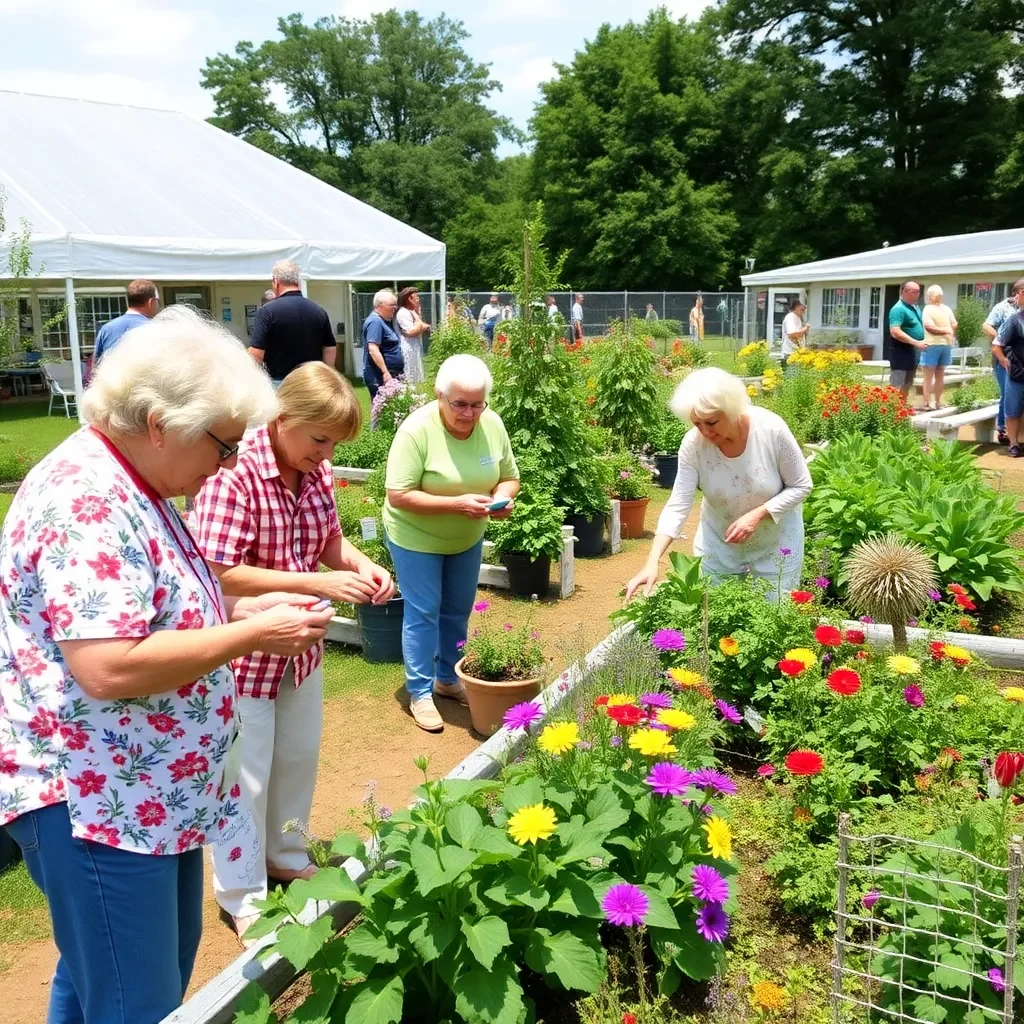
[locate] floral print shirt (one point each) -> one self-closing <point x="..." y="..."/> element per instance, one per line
<point x="89" y="551"/>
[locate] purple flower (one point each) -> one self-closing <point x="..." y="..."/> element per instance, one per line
<point x="766" y="770"/>
<point x="823" y="583"/>
<point x="935" y="595"/>
<point x="867" y="620"/>
<point x="870" y="899"/>
<point x="668" y="640"/>
<point x="384" y="813"/>
<point x="914" y="696"/>
<point x="616" y="741"/>
<point x="712" y="922"/>
<point x="522" y="716"/>
<point x="912" y="623"/>
<point x="668" y="779"/>
<point x="507" y="627"/>
<point x="625" y="905"/>
<point x="826" y="659"/>
<point x="709" y="885"/>
<point x="711" y="778"/>
<point x="660" y="726"/>
<point x="656" y="700"/>
<point x="460" y="644"/>
<point x="729" y="713"/>
<point x="481" y="606"/>
<point x="785" y="552"/>
<point x="996" y="979"/>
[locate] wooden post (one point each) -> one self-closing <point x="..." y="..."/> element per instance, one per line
<point x="1012" y="906"/>
<point x="615" y="527"/>
<point x="567" y="563"/>
<point x="837" y="962"/>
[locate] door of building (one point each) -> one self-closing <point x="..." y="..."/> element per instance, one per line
<point x="892" y="296"/>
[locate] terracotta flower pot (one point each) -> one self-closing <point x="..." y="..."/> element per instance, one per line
<point x="489" y="700"/>
<point x="631" y="517"/>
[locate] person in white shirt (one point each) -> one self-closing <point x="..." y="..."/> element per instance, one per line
<point x="577" y="318"/>
<point x="549" y="301"/>
<point x="794" y="330"/>
<point x="490" y="314"/>
<point x="753" y="477"/>
<point x="411" y="329"/>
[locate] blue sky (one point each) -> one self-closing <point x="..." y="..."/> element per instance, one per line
<point x="149" y="52"/>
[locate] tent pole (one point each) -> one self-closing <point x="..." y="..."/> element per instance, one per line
<point x="433" y="302"/>
<point x="76" y="351"/>
<point x="350" y="333"/>
<point x="302" y="284"/>
<point x="444" y="299"/>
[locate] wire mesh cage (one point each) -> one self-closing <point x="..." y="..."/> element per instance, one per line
<point x="933" y="940"/>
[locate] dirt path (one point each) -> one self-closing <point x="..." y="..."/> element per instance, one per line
<point x="368" y="735"/>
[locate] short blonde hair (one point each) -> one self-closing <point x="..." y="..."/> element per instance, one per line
<point x="183" y="368"/>
<point x="317" y="393"/>
<point x="705" y="392"/>
<point x="286" y="271"/>
<point x="466" y="371"/>
<point x="933" y="290"/>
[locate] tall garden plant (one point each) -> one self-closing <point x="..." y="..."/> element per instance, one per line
<point x="625" y="386"/>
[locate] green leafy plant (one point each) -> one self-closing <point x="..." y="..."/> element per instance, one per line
<point x="367" y="450"/>
<point x="980" y="390"/>
<point x="455" y="336"/>
<point x="533" y="528"/>
<point x="630" y="479"/>
<point x="627" y="395"/>
<point x="688" y="355"/>
<point x="501" y="651"/>
<point x="754" y="359"/>
<point x="970" y="315"/>
<point x="667" y="434"/>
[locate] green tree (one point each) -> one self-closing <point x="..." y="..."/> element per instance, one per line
<point x="392" y="109"/>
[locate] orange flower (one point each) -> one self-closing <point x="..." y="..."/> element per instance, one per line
<point x="728" y="646"/>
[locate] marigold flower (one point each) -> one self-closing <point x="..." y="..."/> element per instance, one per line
<point x="652" y="742"/>
<point x="685" y="678"/>
<point x="1015" y="694"/>
<point x="766" y="995"/>
<point x="626" y="714"/>
<point x="559" y="737"/>
<point x="804" y="762"/>
<point x="902" y="665"/>
<point x="804" y="654"/>
<point x="923" y="782"/>
<point x="532" y="824"/>
<point x="719" y="837"/>
<point x="791" y="667"/>
<point x="829" y="636"/>
<point x="844" y="681"/>
<point x="801" y="596"/>
<point x="728" y="646"/>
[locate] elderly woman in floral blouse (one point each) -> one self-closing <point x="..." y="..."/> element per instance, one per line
<point x="117" y="700"/>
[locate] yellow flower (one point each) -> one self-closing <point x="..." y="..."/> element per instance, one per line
<point x="902" y="665"/>
<point x="805" y="656"/>
<point x="620" y="698"/>
<point x="719" y="837"/>
<point x="803" y="815"/>
<point x="531" y="824"/>
<point x="751" y="390"/>
<point x="766" y="995"/>
<point x="1014" y="693"/>
<point x="956" y="653"/>
<point x="961" y="700"/>
<point x="652" y="743"/>
<point x="728" y="646"/>
<point x="684" y="677"/>
<point x="675" y="719"/>
<point x="559" y="737"/>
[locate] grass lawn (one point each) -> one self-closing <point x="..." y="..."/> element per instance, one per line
<point x="27" y="434"/>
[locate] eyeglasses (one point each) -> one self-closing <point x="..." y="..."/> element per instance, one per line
<point x="459" y="406"/>
<point x="227" y="451"/>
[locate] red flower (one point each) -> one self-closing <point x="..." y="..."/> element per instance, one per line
<point x="127" y="624"/>
<point x="791" y="667"/>
<point x="161" y="722"/>
<point x="938" y="649"/>
<point x="235" y="854"/>
<point x="190" y="838"/>
<point x="74" y="736"/>
<point x="953" y="755"/>
<point x="601" y="701"/>
<point x="844" y="681"/>
<point x="855" y="636"/>
<point x="90" y="509"/>
<point x="801" y="596"/>
<point x="155" y="554"/>
<point x="106" y="834"/>
<point x="236" y="791"/>
<point x="955" y="588"/>
<point x="1008" y="767"/>
<point x="964" y="602"/>
<point x="191" y="618"/>
<point x="57" y="616"/>
<point x="89" y="783"/>
<point x="804" y="762"/>
<point x="628" y="1018"/>
<point x="191" y="764"/>
<point x="151" y="812"/>
<point x="862" y="655"/>
<point x="829" y="636"/>
<point x="106" y="566"/>
<point x="225" y="711"/>
<point x="626" y="714"/>
<point x="43" y="723"/>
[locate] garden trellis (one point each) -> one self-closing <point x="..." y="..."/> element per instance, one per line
<point x="872" y="970"/>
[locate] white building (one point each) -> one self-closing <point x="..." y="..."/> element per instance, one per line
<point x="114" y="192"/>
<point x="853" y="294"/>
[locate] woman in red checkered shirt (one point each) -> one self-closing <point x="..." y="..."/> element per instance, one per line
<point x="269" y="523"/>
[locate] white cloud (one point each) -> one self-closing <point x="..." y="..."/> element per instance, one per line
<point x="526" y="75"/>
<point x="362" y="9"/>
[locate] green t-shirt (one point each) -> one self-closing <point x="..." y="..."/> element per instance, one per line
<point x="908" y="319"/>
<point x="425" y="457"/>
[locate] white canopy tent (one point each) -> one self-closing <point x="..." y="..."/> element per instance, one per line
<point x="120" y="192"/>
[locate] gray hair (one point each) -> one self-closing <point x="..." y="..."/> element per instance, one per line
<point x="384" y="295"/>
<point x="705" y="392"/>
<point x="466" y="371"/>
<point x="933" y="289"/>
<point x="183" y="368"/>
<point x="286" y="271"/>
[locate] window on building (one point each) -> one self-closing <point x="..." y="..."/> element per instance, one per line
<point x="93" y="312"/>
<point x="840" y="307"/>
<point x="983" y="291"/>
<point x="874" y="309"/>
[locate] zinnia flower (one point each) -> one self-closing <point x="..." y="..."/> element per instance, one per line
<point x="532" y="824"/>
<point x="855" y="637"/>
<point x="902" y="665"/>
<point x="708" y="885"/>
<point x="934" y="595"/>
<point x="481" y="606"/>
<point x="685" y="678"/>
<point x="652" y="743"/>
<point x="960" y="655"/>
<point x="804" y="762"/>
<point x="914" y="695"/>
<point x="829" y="636"/>
<point x="728" y="712"/>
<point x="1007" y="767"/>
<point x="957" y="590"/>
<point x="620" y="698"/>
<point x="870" y="898"/>
<point x="626" y="714"/>
<point x="791" y="667"/>
<point x="803" y="654"/>
<point x="522" y="716"/>
<point x="822" y="582"/>
<point x="937" y="649"/>
<point x="965" y="602"/>
<point x="728" y="646"/>
<point x="602" y="701"/>
<point x="719" y="837"/>
<point x="712" y="778"/>
<point x="628" y="1018"/>
<point x="625" y="905"/>
<point x="656" y="700"/>
<point x="559" y="737"/>
<point x="766" y="770"/>
<point x="1015" y="694"/>
<point x="668" y="640"/>
<point x="675" y="719"/>
<point x="668" y="779"/>
<point x="844" y="681"/>
<point x="996" y="980"/>
<point x="766" y="995"/>
<point x="801" y="596"/>
<point x="712" y="922"/>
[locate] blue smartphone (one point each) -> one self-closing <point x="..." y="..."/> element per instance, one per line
<point x="497" y="506"/>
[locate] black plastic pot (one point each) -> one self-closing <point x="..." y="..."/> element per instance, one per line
<point x="527" y="577"/>
<point x="380" y="628"/>
<point x="667" y="465"/>
<point x="9" y="850"/>
<point x="589" y="533"/>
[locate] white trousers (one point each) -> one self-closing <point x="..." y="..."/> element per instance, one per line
<point x="280" y="750"/>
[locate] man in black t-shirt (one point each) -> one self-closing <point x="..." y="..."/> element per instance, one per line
<point x="292" y="329"/>
<point x="1008" y="348"/>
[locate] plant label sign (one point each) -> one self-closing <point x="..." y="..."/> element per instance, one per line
<point x="368" y="528"/>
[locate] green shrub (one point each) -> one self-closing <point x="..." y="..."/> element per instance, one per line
<point x="368" y="449"/>
<point x="630" y="478"/>
<point x="625" y="387"/>
<point x="454" y="337"/>
<point x="970" y="315"/>
<point x="533" y="528"/>
<point x="667" y="434"/>
<point x="979" y="391"/>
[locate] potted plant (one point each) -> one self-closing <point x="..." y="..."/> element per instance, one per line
<point x="631" y="484"/>
<point x="585" y="495"/>
<point x="666" y="438"/>
<point x="500" y="667"/>
<point x="528" y="540"/>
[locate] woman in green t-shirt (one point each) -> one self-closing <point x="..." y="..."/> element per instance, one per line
<point x="450" y="462"/>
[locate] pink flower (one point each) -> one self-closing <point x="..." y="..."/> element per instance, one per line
<point x="914" y="696"/>
<point x="481" y="606"/>
<point x="766" y="770"/>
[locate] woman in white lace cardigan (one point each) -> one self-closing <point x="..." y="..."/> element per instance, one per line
<point x="753" y="478"/>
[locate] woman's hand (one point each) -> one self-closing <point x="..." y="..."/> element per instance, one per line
<point x="645" y="578"/>
<point x="287" y="630"/>
<point x="380" y="579"/>
<point x="503" y="513"/>
<point x="473" y="506"/>
<point x="246" y="607"/>
<point x="347" y="587"/>
<point x="743" y="528"/>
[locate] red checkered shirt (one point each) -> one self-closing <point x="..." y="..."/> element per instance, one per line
<point x="247" y="516"/>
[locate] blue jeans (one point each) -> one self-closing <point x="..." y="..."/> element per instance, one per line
<point x="997" y="369"/>
<point x="439" y="591"/>
<point x="127" y="925"/>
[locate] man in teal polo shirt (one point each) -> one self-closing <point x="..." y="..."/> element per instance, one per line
<point x="906" y="331"/>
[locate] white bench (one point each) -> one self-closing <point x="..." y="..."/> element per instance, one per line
<point x="948" y="428"/>
<point x="961" y="355"/>
<point x="60" y="379"/>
